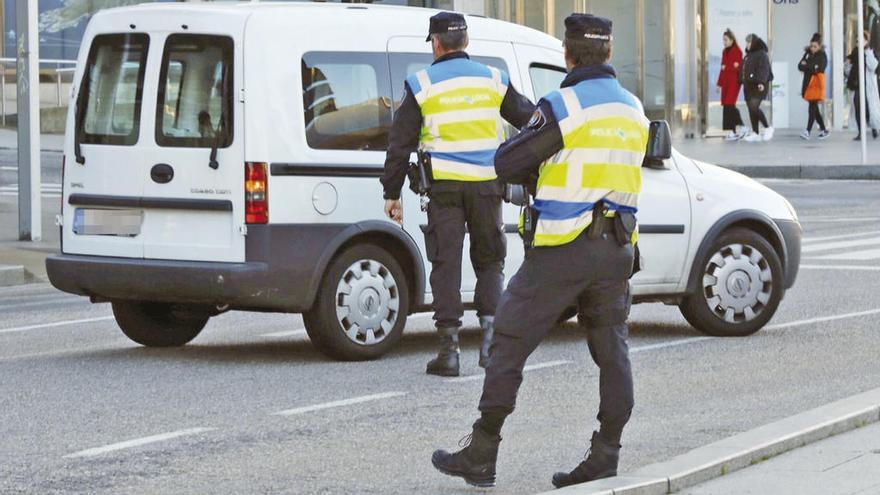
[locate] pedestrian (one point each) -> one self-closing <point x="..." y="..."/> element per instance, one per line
<point x="729" y="85"/>
<point x="454" y="111"/>
<point x="757" y="75"/>
<point x="855" y="82"/>
<point x="585" y="144"/>
<point x="813" y="65"/>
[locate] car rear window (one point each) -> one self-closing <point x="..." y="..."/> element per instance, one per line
<point x="195" y="92"/>
<point x="112" y="88"/>
<point x="346" y="100"/>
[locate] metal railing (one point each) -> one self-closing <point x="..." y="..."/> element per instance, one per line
<point x="61" y="67"/>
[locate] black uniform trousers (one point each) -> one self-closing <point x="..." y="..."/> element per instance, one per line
<point x="457" y="208"/>
<point x="594" y="274"/>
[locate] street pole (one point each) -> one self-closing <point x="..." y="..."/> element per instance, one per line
<point x="27" y="72"/>
<point x="860" y="5"/>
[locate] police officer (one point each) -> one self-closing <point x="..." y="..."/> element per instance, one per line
<point x="589" y="140"/>
<point x="453" y="112"/>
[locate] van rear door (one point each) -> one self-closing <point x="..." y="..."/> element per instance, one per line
<point x="194" y="186"/>
<point x="103" y="176"/>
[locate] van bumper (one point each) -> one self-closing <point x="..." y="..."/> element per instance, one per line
<point x="240" y="285"/>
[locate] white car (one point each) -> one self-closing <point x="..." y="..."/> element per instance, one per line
<point x="226" y="157"/>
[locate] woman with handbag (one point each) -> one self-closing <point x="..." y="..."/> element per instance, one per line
<point x="813" y="65"/>
<point x="757" y="74"/>
<point x="729" y="85"/>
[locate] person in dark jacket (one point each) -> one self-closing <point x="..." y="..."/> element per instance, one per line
<point x="756" y="77"/>
<point x="729" y="84"/>
<point x="813" y="65"/>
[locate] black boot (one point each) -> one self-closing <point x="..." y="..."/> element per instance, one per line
<point x="446" y="362"/>
<point x="601" y="462"/>
<point x="487" y="323"/>
<point x="475" y="462"/>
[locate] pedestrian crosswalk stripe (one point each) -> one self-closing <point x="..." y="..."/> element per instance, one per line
<point x="338" y="403"/>
<point x="809" y="240"/>
<point x="868" y="254"/>
<point x="827" y="246"/>
<point x="137" y="442"/>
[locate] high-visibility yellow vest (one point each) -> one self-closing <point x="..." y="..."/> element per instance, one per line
<point x="461" y="117"/>
<point x="605" y="135"/>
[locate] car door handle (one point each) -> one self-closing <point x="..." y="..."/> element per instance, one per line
<point x="161" y="173"/>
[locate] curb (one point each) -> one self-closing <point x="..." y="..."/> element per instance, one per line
<point x="739" y="451"/>
<point x="815" y="172"/>
<point x="12" y="275"/>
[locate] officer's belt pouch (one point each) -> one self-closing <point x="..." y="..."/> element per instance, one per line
<point x="597" y="224"/>
<point x="412" y="172"/>
<point x="624" y="226"/>
<point x="529" y="224"/>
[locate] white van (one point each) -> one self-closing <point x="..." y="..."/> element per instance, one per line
<point x="226" y="157"/>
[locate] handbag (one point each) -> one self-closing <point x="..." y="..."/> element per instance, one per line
<point x="816" y="88"/>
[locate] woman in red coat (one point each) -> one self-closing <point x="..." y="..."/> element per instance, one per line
<point x="729" y="84"/>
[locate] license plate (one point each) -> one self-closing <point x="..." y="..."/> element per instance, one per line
<point x="125" y="223"/>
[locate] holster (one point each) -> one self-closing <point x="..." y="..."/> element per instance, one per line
<point x="530" y="223"/>
<point x="420" y="174"/>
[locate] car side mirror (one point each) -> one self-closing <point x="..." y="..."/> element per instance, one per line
<point x="659" y="144"/>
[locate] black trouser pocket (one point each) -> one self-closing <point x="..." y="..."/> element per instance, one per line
<point x="431" y="247"/>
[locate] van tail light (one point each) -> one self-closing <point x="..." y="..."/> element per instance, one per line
<point x="256" y="193"/>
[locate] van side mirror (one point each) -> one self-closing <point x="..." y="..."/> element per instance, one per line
<point x="659" y="144"/>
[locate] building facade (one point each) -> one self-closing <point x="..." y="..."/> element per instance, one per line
<point x="667" y="52"/>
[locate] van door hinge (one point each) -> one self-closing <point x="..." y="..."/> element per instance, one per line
<point x="241" y="95"/>
<point x="242" y="229"/>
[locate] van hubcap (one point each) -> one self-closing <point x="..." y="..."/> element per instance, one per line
<point x="367" y="302"/>
<point x="737" y="283"/>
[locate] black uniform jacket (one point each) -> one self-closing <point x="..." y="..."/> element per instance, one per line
<point x="407" y="125"/>
<point x="518" y="159"/>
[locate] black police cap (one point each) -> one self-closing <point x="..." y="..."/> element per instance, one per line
<point x="446" y="22"/>
<point x="587" y="26"/>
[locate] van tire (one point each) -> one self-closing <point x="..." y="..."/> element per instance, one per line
<point x="754" y="278"/>
<point x="158" y="324"/>
<point x="383" y="282"/>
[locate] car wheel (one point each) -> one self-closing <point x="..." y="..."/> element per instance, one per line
<point x="740" y="286"/>
<point x="361" y="307"/>
<point x="159" y="324"/>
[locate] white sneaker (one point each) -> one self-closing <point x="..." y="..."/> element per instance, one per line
<point x="824" y="134"/>
<point x="731" y="136"/>
<point x="752" y="137"/>
<point x="768" y="134"/>
<point x="806" y="135"/>
<point x="743" y="131"/>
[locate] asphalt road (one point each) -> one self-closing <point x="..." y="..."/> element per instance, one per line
<point x="202" y="419"/>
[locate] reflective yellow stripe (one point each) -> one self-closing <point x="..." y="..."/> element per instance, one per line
<point x="619" y="133"/>
<point x="447" y="175"/>
<point x="617" y="177"/>
<point x="469" y="131"/>
<point x="552" y="174"/>
<point x="557" y="239"/>
<point x="462" y="99"/>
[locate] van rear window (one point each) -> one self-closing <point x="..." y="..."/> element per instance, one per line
<point x="112" y="87"/>
<point x="346" y="100"/>
<point x="195" y="92"/>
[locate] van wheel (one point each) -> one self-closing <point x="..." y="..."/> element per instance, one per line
<point x="361" y="306"/>
<point x="740" y="287"/>
<point x="158" y="324"/>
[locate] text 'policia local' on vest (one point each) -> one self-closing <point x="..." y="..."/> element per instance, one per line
<point x="462" y="125"/>
<point x="605" y="134"/>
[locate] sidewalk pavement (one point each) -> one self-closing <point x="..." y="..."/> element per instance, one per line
<point x="844" y="464"/>
<point x="788" y="156"/>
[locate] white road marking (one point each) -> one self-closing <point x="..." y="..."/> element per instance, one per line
<point x="137" y="442"/>
<point x="838" y="237"/>
<point x="664" y="345"/>
<point x="286" y="333"/>
<point x="822" y="319"/>
<point x="338" y="403"/>
<point x="54" y="324"/>
<point x="867" y="254"/>
<point x="9" y="168"/>
<point x="530" y="367"/>
<point x="827" y="246"/>
<point x="841" y="267"/>
<point x="840" y="220"/>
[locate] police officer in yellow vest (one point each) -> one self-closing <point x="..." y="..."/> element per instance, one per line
<point x="585" y="144"/>
<point x="454" y="111"/>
